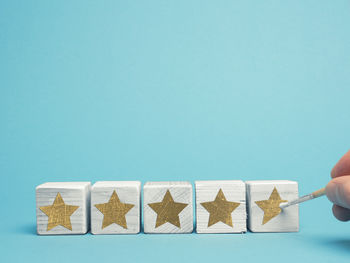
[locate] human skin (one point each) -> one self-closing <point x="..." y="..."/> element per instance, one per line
<point x="338" y="189"/>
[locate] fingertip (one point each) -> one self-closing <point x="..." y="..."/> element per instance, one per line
<point x="342" y="167"/>
<point x="338" y="191"/>
<point x="341" y="213"/>
<point x="331" y="191"/>
<point x="333" y="171"/>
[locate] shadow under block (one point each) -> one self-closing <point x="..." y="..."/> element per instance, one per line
<point x="115" y="207"/>
<point x="167" y="207"/>
<point x="221" y="206"/>
<point x="263" y="200"/>
<point x="63" y="208"/>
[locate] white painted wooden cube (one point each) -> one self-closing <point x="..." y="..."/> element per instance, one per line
<point x="63" y="208"/>
<point x="115" y="207"/>
<point x="221" y="206"/>
<point x="264" y="199"/>
<point x="167" y="207"/>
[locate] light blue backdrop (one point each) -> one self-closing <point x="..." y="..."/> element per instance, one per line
<point x="173" y="90"/>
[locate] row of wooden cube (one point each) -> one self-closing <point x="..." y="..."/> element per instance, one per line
<point x="115" y="207"/>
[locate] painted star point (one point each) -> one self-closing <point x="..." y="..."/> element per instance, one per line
<point x="220" y="209"/>
<point x="167" y="210"/>
<point x="114" y="211"/>
<point x="59" y="213"/>
<point x="271" y="207"/>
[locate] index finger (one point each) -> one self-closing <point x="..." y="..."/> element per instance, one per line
<point x="342" y="167"/>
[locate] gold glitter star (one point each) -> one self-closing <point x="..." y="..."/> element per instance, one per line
<point x="220" y="210"/>
<point x="271" y="207"/>
<point x="59" y="213"/>
<point x="114" y="211"/>
<point x="168" y="210"/>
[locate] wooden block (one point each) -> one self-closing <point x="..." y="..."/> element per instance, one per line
<point x="63" y="208"/>
<point x="264" y="214"/>
<point x="221" y="207"/>
<point x="115" y="207"/>
<point x="167" y="207"/>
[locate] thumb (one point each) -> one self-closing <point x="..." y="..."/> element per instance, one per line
<point x="338" y="191"/>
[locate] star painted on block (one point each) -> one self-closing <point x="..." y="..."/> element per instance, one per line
<point x="59" y="213"/>
<point x="220" y="210"/>
<point x="114" y="211"/>
<point x="168" y="210"/>
<point x="271" y="207"/>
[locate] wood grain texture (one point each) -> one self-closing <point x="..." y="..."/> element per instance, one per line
<point x="181" y="192"/>
<point x="72" y="193"/>
<point x="286" y="221"/>
<point x="234" y="191"/>
<point x="128" y="192"/>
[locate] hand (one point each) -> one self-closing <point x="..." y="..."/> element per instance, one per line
<point x="338" y="189"/>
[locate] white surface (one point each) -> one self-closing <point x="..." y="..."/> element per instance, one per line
<point x="234" y="191"/>
<point x="286" y="221"/>
<point x="73" y="193"/>
<point x="128" y="192"/>
<point x="181" y="192"/>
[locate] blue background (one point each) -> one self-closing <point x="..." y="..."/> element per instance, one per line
<point x="173" y="90"/>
